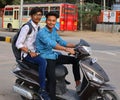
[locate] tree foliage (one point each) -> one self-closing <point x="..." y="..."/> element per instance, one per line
<point x="100" y="2"/>
<point x="5" y="2"/>
<point x="88" y="13"/>
<point x="43" y="1"/>
<point x="26" y="1"/>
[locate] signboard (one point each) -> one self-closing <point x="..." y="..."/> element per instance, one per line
<point x="109" y="16"/>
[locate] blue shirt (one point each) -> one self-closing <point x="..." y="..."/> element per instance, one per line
<point x="46" y="41"/>
<point x="57" y="26"/>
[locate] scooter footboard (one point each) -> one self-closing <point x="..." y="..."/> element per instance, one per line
<point x="87" y="93"/>
<point x="86" y="89"/>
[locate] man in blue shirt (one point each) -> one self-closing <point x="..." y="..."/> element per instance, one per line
<point x="47" y="39"/>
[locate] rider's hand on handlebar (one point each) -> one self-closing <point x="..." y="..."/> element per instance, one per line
<point x="70" y="50"/>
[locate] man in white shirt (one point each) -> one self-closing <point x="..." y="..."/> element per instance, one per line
<point x="26" y="43"/>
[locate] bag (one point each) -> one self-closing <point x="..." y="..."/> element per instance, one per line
<point x="16" y="51"/>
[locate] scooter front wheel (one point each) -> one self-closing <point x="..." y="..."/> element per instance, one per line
<point x="24" y="98"/>
<point x="105" y="95"/>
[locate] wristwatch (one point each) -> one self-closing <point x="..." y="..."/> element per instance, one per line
<point x="29" y="51"/>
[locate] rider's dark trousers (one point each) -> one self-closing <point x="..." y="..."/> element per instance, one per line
<point x="51" y="64"/>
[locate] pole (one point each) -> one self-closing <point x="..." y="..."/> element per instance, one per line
<point x="81" y="23"/>
<point x="21" y="10"/>
<point x="104" y="5"/>
<point x="104" y="10"/>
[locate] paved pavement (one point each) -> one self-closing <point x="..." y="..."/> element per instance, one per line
<point x="94" y="37"/>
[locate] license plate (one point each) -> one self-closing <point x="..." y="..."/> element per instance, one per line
<point x="94" y="60"/>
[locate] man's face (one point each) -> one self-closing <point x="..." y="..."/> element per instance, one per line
<point x="36" y="17"/>
<point x="51" y="21"/>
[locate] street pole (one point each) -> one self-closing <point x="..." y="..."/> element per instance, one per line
<point x="21" y="10"/>
<point x="81" y="22"/>
<point x="104" y="5"/>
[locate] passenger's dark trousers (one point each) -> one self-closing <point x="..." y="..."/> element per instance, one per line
<point x="62" y="59"/>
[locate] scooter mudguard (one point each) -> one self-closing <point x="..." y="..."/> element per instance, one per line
<point x="107" y="87"/>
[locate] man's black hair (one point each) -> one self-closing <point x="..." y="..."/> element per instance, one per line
<point x="52" y="14"/>
<point x="35" y="10"/>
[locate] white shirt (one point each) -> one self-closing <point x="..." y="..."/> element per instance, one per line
<point x="27" y="40"/>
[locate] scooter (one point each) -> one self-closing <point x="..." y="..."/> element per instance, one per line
<point x="94" y="79"/>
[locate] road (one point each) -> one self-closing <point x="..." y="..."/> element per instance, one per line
<point x="107" y="56"/>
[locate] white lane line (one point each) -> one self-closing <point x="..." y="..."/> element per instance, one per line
<point x="105" y="52"/>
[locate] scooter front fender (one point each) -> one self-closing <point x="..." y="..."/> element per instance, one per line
<point x="106" y="87"/>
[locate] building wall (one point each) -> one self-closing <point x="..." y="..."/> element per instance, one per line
<point x="113" y="28"/>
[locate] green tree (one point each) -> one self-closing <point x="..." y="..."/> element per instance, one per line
<point x="28" y="1"/>
<point x="44" y="1"/>
<point x="88" y="13"/>
<point x="100" y="2"/>
<point x="5" y="2"/>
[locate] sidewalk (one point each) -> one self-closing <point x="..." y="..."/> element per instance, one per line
<point x="95" y="37"/>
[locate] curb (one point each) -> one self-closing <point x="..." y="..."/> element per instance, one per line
<point x="6" y="39"/>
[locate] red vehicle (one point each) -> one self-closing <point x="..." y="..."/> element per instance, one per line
<point x="68" y="17"/>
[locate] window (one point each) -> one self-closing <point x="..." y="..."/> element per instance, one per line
<point x="68" y="10"/>
<point x="30" y="8"/>
<point x="45" y="10"/>
<point x="25" y="11"/>
<point x="56" y="9"/>
<point x="8" y="12"/>
<point x="16" y="15"/>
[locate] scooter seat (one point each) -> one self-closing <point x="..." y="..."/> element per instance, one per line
<point x="60" y="71"/>
<point x="27" y="65"/>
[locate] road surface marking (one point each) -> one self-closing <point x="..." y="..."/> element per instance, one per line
<point x="105" y="52"/>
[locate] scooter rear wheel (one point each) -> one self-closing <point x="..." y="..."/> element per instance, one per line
<point x="21" y="82"/>
<point x="24" y="98"/>
<point x="106" y="95"/>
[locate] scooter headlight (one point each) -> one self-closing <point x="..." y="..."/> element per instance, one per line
<point x="97" y="79"/>
<point x="94" y="77"/>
